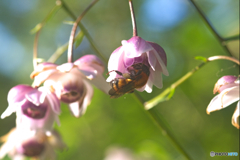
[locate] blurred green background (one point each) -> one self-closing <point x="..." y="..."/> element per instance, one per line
<point x="122" y="122"/>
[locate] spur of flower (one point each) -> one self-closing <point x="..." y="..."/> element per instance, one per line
<point x="72" y="81"/>
<point x="228" y="89"/>
<point x="21" y="143"/>
<point x="36" y="108"/>
<point x="137" y="51"/>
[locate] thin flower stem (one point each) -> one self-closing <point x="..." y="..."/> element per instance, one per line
<point x="81" y="26"/>
<point x="72" y="35"/>
<point x="35" y="46"/>
<point x="156" y="118"/>
<point x="220" y="39"/>
<point x="133" y="18"/>
<point x="232" y="38"/>
<point x="213" y="58"/>
<point x="154" y="101"/>
<point x="37" y="29"/>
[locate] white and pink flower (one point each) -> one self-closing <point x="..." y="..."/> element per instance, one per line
<point x="19" y="144"/>
<point x="228" y="89"/>
<point x="36" y="108"/>
<point x="72" y="81"/>
<point x="137" y="50"/>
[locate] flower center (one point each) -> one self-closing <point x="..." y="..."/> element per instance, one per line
<point x="33" y="111"/>
<point x="71" y="96"/>
<point x="32" y="148"/>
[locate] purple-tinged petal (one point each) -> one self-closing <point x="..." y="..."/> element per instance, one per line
<point x="160" y="51"/>
<point x="119" y="67"/>
<point x="135" y="47"/>
<point x="114" y="59"/>
<point x="35" y="96"/>
<point x="79" y="108"/>
<point x="17" y="93"/>
<point x="235" y="117"/>
<point x="160" y="61"/>
<point x="224" y="99"/>
<point x="92" y="61"/>
<point x="225" y="82"/>
<point x="89" y="72"/>
<point x="52" y="99"/>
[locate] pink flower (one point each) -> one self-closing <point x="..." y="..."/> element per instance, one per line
<point x="228" y="89"/>
<point x="36" y="108"/>
<point x="71" y="81"/>
<point x="137" y="50"/>
<point x="20" y="144"/>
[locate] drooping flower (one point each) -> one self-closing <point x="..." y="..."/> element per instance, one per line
<point x="228" y="89"/>
<point x="22" y="143"/>
<point x="71" y="81"/>
<point x="36" y="108"/>
<point x="137" y="50"/>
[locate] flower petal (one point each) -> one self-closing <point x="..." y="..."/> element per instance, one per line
<point x="235" y="117"/>
<point x="12" y="108"/>
<point x="42" y="67"/>
<point x="35" y="96"/>
<point x="74" y="108"/>
<point x="116" y="63"/>
<point x="135" y="47"/>
<point x="87" y="98"/>
<point x="91" y="61"/>
<point x="53" y="100"/>
<point x="66" y="67"/>
<point x="224" y="99"/>
<point x="160" y="61"/>
<point x="43" y="76"/>
<point x="156" y="76"/>
<point x="17" y="93"/>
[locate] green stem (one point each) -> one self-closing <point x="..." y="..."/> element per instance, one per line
<point x="154" y="101"/>
<point x="86" y="33"/>
<point x="232" y="38"/>
<point x="220" y="39"/>
<point x="156" y="118"/>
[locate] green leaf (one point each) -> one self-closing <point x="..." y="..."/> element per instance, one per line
<point x="78" y="39"/>
<point x="203" y="59"/>
<point x="169" y="96"/>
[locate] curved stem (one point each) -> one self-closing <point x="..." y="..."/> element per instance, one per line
<point x="133" y="18"/>
<point x="213" y="58"/>
<point x="71" y="39"/>
<point x="162" y="97"/>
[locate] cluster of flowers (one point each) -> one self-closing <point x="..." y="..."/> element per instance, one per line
<point x="38" y="107"/>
